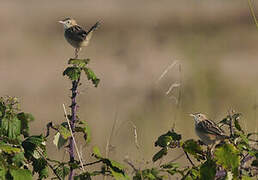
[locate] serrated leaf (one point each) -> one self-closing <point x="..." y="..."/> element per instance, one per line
<point x="9" y="149"/>
<point x="246" y="178"/>
<point x="83" y="176"/>
<point x="208" y="170"/>
<point x="21" y="174"/>
<point x="18" y="159"/>
<point x="160" y="154"/>
<point x="79" y="62"/>
<point x="11" y="126"/>
<point x="168" y="138"/>
<point x="3" y="172"/>
<point x="72" y="72"/>
<point x="64" y="132"/>
<point x="170" y="165"/>
<point x="191" y="146"/>
<point x="237" y="125"/>
<point x="91" y="76"/>
<point x="34" y="147"/>
<point x="2" y="110"/>
<point x="163" y="141"/>
<point x="25" y="118"/>
<point x="62" y="171"/>
<point x="227" y="156"/>
<point x="96" y="152"/>
<point x="85" y="129"/>
<point x="40" y="167"/>
<point x="59" y="141"/>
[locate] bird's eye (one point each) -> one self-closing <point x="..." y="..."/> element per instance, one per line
<point x="199" y="115"/>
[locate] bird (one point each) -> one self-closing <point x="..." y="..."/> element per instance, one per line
<point x="207" y="130"/>
<point x="76" y="35"/>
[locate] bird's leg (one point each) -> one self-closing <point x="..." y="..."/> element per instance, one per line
<point x="76" y="52"/>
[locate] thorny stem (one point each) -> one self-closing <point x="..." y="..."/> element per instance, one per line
<point x="73" y="107"/>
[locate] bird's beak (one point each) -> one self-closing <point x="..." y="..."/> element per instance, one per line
<point x="192" y="115"/>
<point x="62" y="22"/>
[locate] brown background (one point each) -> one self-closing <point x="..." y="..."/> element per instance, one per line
<point x="215" y="43"/>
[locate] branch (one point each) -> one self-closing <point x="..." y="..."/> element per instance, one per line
<point x="89" y="164"/>
<point x="189" y="159"/>
<point x="75" y="144"/>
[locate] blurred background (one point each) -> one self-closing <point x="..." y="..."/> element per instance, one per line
<point x="209" y="48"/>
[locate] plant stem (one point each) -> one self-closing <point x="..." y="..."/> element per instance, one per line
<point x="72" y="123"/>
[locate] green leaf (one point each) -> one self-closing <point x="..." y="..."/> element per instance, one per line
<point x="72" y="72"/>
<point x="79" y="62"/>
<point x="163" y="141"/>
<point x="25" y="118"/>
<point x="34" y="147"/>
<point x="21" y="174"/>
<point x="2" y="110"/>
<point x="62" y="171"/>
<point x="237" y="125"/>
<point x="91" y="76"/>
<point x="40" y="167"/>
<point x="3" y="172"/>
<point x="170" y="165"/>
<point x="83" y="176"/>
<point x="18" y="159"/>
<point x="208" y="170"/>
<point x="96" y="152"/>
<point x="246" y="178"/>
<point x="227" y="156"/>
<point x="59" y="141"/>
<point x="11" y="126"/>
<point x="85" y="129"/>
<point x="64" y="132"/>
<point x="160" y="154"/>
<point x="191" y="146"/>
<point x="167" y="139"/>
<point x="255" y="163"/>
<point x="9" y="149"/>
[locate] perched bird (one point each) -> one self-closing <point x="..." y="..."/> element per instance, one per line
<point x="76" y="35"/>
<point x="208" y="131"/>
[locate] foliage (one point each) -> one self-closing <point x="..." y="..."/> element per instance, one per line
<point x="233" y="158"/>
<point x="23" y="155"/>
<point x="18" y="150"/>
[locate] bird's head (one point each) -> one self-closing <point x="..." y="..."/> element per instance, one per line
<point x="68" y="22"/>
<point x="198" y="117"/>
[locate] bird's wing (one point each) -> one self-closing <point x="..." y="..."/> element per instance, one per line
<point x="76" y="33"/>
<point x="211" y="127"/>
<point x="92" y="29"/>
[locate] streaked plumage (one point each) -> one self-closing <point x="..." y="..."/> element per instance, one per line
<point x="76" y="35"/>
<point x="208" y="131"/>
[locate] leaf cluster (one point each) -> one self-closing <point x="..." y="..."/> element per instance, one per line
<point x="78" y="66"/>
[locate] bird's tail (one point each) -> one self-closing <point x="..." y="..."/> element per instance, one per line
<point x="92" y="29"/>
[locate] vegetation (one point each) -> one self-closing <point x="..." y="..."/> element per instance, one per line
<point x="23" y="155"/>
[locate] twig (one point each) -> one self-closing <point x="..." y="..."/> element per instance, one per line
<point x="75" y="144"/>
<point x="135" y="135"/>
<point x="252" y="12"/>
<point x="178" y="157"/>
<point x="131" y="164"/>
<point x="187" y="156"/>
<point x="166" y="70"/>
<point x="89" y="164"/>
<point x="230" y="122"/>
<point x="51" y="167"/>
<point x="109" y="139"/>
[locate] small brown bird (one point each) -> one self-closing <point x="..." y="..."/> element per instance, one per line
<point x="208" y="131"/>
<point x="76" y="35"/>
